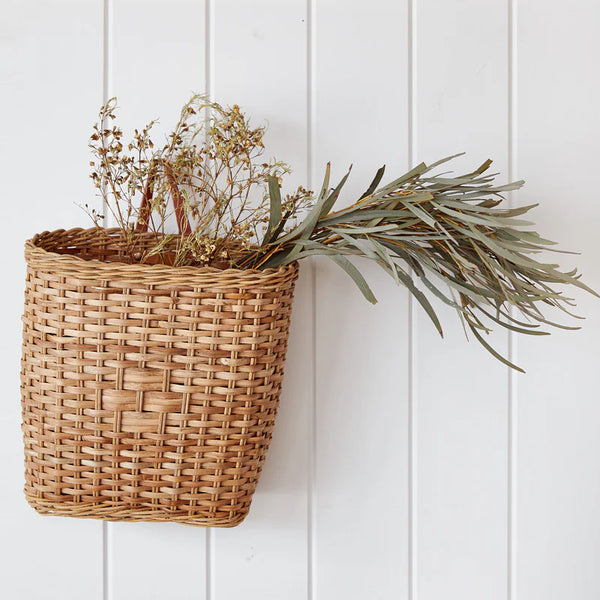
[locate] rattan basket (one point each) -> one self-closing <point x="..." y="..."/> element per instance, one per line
<point x="149" y="392"/>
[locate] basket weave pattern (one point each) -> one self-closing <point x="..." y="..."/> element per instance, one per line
<point x="148" y="392"/>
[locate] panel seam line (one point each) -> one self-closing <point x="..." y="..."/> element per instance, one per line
<point x="512" y="342"/>
<point x="412" y="321"/>
<point x="312" y="428"/>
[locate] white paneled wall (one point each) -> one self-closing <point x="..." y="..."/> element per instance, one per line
<point x="402" y="467"/>
<point x="462" y="105"/>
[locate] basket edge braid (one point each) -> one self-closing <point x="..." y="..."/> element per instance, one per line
<point x="73" y="240"/>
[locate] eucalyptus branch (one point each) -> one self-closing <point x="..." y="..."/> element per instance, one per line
<point x="439" y="232"/>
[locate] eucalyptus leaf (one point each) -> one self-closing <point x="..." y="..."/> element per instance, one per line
<point x="275" y="208"/>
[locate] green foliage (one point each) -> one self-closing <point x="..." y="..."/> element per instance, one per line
<point x="451" y="234"/>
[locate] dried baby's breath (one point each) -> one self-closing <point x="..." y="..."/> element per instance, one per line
<point x="209" y="178"/>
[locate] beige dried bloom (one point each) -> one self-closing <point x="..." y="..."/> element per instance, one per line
<point x="209" y="180"/>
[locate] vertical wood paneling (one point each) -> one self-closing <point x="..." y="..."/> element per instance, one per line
<point x="157" y="61"/>
<point x="260" y="63"/>
<point x="559" y="413"/>
<point x="461" y="391"/>
<point x="50" y="76"/>
<point x="361" y="350"/>
<point x="345" y="82"/>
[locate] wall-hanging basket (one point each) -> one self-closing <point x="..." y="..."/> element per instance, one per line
<point x="149" y="392"/>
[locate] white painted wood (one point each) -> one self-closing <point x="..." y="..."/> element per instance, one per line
<point x="558" y="486"/>
<point x="330" y="518"/>
<point x="264" y="71"/>
<point x="50" y="77"/>
<point x="157" y="60"/>
<point x="361" y="507"/>
<point x="461" y="391"/>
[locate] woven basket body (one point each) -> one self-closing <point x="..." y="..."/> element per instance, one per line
<point x="148" y="392"/>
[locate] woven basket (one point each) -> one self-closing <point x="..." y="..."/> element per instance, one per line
<point x="149" y="392"/>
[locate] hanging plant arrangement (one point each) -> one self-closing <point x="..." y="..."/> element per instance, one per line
<point x="153" y="361"/>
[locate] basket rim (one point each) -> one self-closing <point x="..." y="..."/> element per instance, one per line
<point x="32" y="248"/>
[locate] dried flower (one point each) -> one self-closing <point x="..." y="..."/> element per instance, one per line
<point x="210" y="177"/>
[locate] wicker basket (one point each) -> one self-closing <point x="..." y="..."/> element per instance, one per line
<point x="148" y="392"/>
